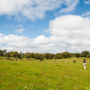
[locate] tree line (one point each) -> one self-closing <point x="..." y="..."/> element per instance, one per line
<point x="19" y="55"/>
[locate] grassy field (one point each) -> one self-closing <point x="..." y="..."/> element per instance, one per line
<point x="60" y="74"/>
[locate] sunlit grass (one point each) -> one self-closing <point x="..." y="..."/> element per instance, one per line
<point x="61" y="74"/>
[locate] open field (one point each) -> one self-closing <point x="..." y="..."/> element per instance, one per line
<point x="61" y="74"/>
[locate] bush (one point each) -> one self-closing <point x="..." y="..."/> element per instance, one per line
<point x="74" y="61"/>
<point x="41" y="59"/>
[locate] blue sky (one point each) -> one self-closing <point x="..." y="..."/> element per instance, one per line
<point x="33" y="19"/>
<point x="34" y="28"/>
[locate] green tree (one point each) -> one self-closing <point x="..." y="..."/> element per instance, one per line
<point x="3" y="52"/>
<point x="49" y="56"/>
<point x="85" y="53"/>
<point x="14" y="54"/>
<point x="77" y="55"/>
<point x="28" y="55"/>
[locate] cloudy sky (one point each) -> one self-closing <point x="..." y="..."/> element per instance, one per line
<point x="45" y="25"/>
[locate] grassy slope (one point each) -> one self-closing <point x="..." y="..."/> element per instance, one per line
<point x="46" y="75"/>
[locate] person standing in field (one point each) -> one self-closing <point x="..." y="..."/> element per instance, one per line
<point x="84" y="63"/>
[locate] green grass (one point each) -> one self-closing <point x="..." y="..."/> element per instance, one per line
<point x="60" y="74"/>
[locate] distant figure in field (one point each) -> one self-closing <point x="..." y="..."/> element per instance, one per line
<point x="84" y="63"/>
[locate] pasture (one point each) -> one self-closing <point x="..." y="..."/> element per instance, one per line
<point x="56" y="74"/>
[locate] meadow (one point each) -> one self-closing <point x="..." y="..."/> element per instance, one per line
<point x="56" y="74"/>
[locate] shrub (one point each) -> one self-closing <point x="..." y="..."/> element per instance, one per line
<point x="74" y="61"/>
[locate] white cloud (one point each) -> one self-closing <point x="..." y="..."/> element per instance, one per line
<point x="71" y="5"/>
<point x="1" y="34"/>
<point x="87" y="2"/>
<point x="86" y="14"/>
<point x="68" y="33"/>
<point x="22" y="43"/>
<point x="20" y="30"/>
<point x="33" y="9"/>
<point x="71" y="31"/>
